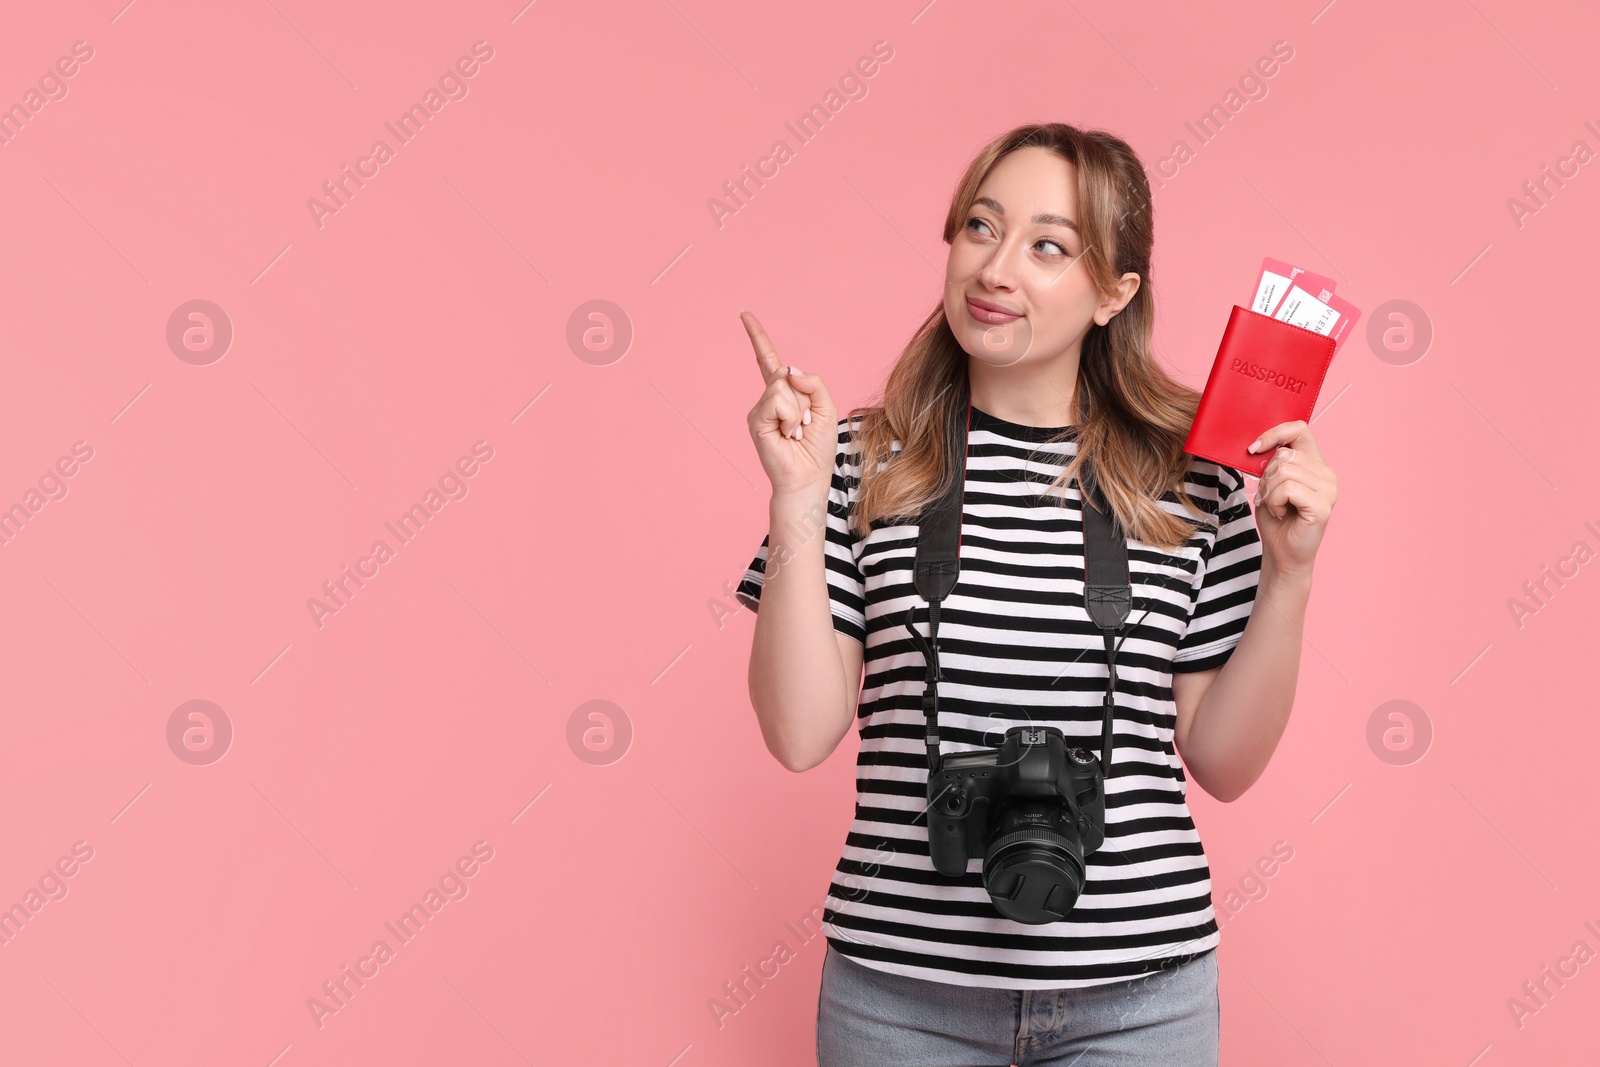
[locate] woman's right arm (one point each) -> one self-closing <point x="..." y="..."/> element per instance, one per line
<point x="805" y="677"/>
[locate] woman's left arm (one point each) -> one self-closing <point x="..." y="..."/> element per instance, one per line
<point x="1230" y="718"/>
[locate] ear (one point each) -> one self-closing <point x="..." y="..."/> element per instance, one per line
<point x="1127" y="286"/>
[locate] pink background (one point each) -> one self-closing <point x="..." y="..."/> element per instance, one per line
<point x="592" y="557"/>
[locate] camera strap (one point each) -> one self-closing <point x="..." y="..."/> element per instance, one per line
<point x="1107" y="592"/>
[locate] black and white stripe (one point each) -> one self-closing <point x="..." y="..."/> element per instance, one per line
<point x="1017" y="646"/>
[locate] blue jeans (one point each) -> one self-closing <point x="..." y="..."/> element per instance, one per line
<point x="869" y="1018"/>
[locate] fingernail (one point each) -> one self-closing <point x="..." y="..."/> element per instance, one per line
<point x="799" y="433"/>
<point x="1252" y="447"/>
<point x="795" y="370"/>
<point x="806" y="418"/>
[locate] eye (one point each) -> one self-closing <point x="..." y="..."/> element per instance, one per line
<point x="1061" y="250"/>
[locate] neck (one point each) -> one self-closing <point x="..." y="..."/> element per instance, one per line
<point x="1031" y="393"/>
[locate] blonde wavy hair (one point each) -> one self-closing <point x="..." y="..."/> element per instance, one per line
<point x="1133" y="417"/>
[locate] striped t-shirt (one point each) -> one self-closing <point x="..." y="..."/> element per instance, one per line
<point x="1016" y="646"/>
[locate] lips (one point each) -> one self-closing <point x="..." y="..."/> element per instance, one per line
<point x="992" y="314"/>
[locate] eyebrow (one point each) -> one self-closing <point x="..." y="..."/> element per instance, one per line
<point x="1043" y="218"/>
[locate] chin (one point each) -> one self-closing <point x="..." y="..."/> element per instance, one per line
<point x="998" y="346"/>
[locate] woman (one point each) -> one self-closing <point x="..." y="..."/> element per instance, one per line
<point x="1042" y="343"/>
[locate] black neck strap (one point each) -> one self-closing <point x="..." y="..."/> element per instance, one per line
<point x="1107" y="593"/>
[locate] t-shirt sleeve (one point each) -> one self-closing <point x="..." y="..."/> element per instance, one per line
<point x="1225" y="588"/>
<point x="846" y="589"/>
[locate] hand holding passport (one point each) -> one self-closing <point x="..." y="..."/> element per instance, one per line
<point x="1270" y="364"/>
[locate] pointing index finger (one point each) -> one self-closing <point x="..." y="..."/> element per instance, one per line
<point x="766" y="355"/>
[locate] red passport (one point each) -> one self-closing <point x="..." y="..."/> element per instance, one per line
<point x="1266" y="372"/>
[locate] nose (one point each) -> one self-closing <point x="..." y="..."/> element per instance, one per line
<point x="999" y="271"/>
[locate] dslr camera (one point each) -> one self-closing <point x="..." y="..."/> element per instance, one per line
<point x="1033" y="809"/>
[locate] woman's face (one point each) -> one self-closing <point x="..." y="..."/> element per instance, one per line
<point x="1018" y="251"/>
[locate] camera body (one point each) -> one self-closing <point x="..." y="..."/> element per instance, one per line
<point x="1032" y="809"/>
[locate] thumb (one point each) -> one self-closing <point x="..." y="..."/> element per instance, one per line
<point x="811" y="385"/>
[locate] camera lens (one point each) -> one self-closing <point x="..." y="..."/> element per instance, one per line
<point x="1033" y="867"/>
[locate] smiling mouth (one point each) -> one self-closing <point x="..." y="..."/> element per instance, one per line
<point x="989" y="315"/>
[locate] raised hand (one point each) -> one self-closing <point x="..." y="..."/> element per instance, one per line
<point x="794" y="424"/>
<point x="1294" y="498"/>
